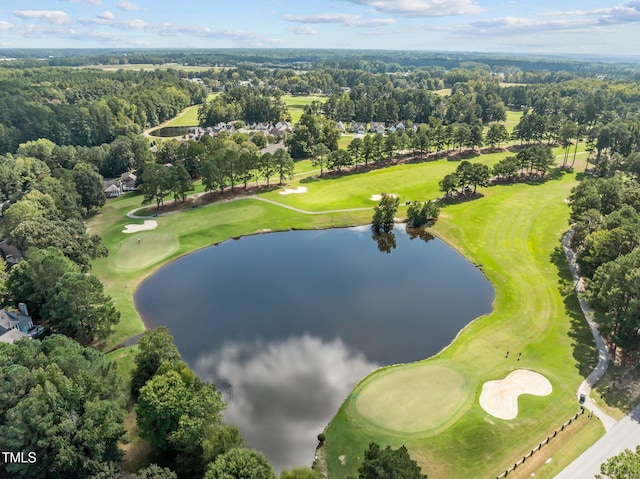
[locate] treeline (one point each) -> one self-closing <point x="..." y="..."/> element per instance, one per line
<point x="381" y="61"/>
<point x="87" y="108"/>
<point x="250" y="104"/>
<point x="605" y="214"/>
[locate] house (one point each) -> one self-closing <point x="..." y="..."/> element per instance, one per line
<point x="113" y="190"/>
<point x="340" y="126"/>
<point x="400" y="126"/>
<point x="128" y="182"/>
<point x="377" y="127"/>
<point x="358" y="128"/>
<point x="15" y="326"/>
<point x="9" y="253"/>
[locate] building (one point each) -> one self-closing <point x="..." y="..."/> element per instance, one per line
<point x="17" y="325"/>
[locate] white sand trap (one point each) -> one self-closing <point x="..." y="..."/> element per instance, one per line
<point x="500" y="398"/>
<point x="379" y="197"/>
<point x="147" y="225"/>
<point x="294" y="191"/>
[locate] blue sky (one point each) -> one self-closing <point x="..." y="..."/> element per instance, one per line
<point x="543" y="26"/>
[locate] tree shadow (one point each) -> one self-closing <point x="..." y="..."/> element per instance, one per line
<point x="584" y="348"/>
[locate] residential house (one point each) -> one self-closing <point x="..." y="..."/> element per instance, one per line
<point x="377" y="127"/>
<point x="340" y="126"/>
<point x="358" y="128"/>
<point x="9" y="253"/>
<point x="15" y="326"/>
<point x="128" y="181"/>
<point x="113" y="189"/>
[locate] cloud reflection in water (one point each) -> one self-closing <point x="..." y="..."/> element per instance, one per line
<point x="283" y="394"/>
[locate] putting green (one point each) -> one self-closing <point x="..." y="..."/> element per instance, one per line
<point x="417" y="399"/>
<point x="152" y="248"/>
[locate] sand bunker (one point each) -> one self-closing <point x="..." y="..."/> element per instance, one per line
<point x="294" y="191"/>
<point x="147" y="225"/>
<point x="500" y="398"/>
<point x="379" y="197"/>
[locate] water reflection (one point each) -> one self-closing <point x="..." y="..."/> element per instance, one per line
<point x="386" y="240"/>
<point x="281" y="393"/>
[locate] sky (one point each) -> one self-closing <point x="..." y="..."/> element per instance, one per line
<point x="521" y="26"/>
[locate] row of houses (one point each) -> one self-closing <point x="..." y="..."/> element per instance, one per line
<point x="116" y="186"/>
<point x="278" y="130"/>
<point x="375" y="127"/>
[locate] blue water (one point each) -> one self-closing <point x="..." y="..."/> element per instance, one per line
<point x="285" y="324"/>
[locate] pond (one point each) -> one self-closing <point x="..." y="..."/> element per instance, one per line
<point x="171" y="131"/>
<point x="286" y="324"/>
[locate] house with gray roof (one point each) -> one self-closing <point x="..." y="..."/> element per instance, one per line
<point x="15" y="325"/>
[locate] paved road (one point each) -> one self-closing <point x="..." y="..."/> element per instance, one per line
<point x="625" y="434"/>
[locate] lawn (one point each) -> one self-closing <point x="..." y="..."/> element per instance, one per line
<point x="513" y="118"/>
<point x="512" y="232"/>
<point x="189" y="117"/>
<point x="296" y="104"/>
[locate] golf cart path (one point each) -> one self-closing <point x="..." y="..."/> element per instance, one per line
<point x="620" y="435"/>
<point x="132" y="213"/>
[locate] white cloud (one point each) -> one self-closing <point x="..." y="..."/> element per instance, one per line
<point x="5" y="25"/>
<point x="54" y="17"/>
<point x="306" y="30"/>
<point x="128" y="6"/>
<point x="90" y="2"/>
<point x="350" y="20"/>
<point x="106" y="15"/>
<point x="422" y="8"/>
<point x="302" y="379"/>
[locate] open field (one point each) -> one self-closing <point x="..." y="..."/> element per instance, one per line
<point x="512" y="232"/>
<point x="513" y="117"/>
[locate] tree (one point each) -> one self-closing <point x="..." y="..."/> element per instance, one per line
<point x="284" y="164"/>
<point x="464" y="174"/>
<point x="419" y="214"/>
<point x="89" y="186"/>
<point x="267" y="166"/>
<point x="213" y="175"/>
<point x="320" y="152"/>
<point x="496" y="134"/>
<point x="355" y="150"/>
<point x="449" y="183"/>
<point x="78" y="307"/>
<point x="479" y="175"/>
<point x="388" y="463"/>
<point x="240" y="464"/>
<point x="179" y="182"/>
<point x="384" y="213"/>
<point x="175" y="410"/>
<point x="625" y="465"/>
<point x="155" y="348"/>
<point x="32" y="281"/>
<point x="299" y="473"/>
<point x="155" y="182"/>
<point x="614" y="294"/>
<point x="64" y="403"/>
<point x="339" y="159"/>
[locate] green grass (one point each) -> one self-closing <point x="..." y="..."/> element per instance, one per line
<point x="513" y="118"/>
<point x="296" y="104"/>
<point x="513" y="232"/>
<point x="125" y="360"/>
<point x="188" y="118"/>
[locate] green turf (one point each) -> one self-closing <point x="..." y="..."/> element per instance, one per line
<point x="412" y="400"/>
<point x="142" y="249"/>
<point x="513" y="232"/>
<point x="125" y="360"/>
<point x="188" y="118"/>
<point x="513" y="118"/>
